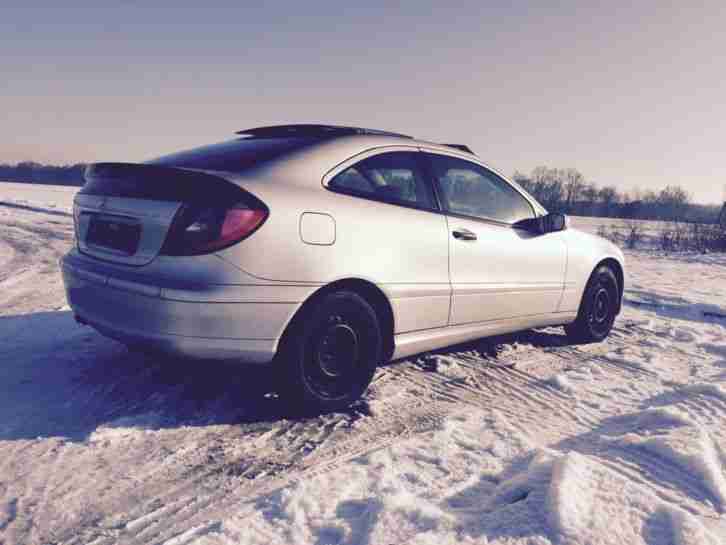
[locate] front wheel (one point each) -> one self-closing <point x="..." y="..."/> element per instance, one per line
<point x="329" y="356"/>
<point x="598" y="308"/>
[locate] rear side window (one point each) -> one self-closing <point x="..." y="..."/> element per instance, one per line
<point x="234" y="155"/>
<point x="393" y="177"/>
<point x="472" y="190"/>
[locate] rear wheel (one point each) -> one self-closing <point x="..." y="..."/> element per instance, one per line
<point x="598" y="308"/>
<point x="330" y="354"/>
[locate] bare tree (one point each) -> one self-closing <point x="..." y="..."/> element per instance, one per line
<point x="673" y="201"/>
<point x="574" y="183"/>
<point x="566" y="190"/>
<point x="609" y="197"/>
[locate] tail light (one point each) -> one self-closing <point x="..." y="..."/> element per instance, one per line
<point x="204" y="229"/>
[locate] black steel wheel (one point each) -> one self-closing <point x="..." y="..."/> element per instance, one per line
<point x="598" y="308"/>
<point x="330" y="354"/>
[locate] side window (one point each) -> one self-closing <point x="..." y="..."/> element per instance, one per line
<point x="391" y="177"/>
<point x="469" y="189"/>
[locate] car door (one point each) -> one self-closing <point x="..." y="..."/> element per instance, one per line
<point x="497" y="270"/>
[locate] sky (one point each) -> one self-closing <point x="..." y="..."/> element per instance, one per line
<point x="632" y="94"/>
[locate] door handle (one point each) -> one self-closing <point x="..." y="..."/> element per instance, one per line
<point x="464" y="234"/>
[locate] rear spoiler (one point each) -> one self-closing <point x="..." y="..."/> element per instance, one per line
<point x="160" y="183"/>
<point x="460" y="147"/>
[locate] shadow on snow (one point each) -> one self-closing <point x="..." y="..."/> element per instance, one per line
<point x="59" y="379"/>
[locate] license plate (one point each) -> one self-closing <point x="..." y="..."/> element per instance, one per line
<point x="118" y="234"/>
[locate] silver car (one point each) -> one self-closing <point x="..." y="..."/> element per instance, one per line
<point x="325" y="251"/>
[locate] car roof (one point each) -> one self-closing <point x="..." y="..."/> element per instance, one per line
<point x="325" y="154"/>
<point x="300" y="152"/>
<point x="310" y="130"/>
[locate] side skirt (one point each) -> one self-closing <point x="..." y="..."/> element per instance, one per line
<point x="416" y="342"/>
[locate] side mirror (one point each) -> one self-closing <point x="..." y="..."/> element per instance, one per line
<point x="553" y="222"/>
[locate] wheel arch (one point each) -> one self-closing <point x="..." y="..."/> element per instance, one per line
<point x="617" y="269"/>
<point x="368" y="291"/>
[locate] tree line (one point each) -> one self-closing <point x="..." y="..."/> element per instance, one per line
<point x="38" y="173"/>
<point x="558" y="189"/>
<point x="566" y="190"/>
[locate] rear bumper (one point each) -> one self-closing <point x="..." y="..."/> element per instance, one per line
<point x="174" y="322"/>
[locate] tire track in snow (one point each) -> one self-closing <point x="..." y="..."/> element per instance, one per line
<point x="512" y="387"/>
<point x="8" y="259"/>
<point x="31" y="279"/>
<point x="25" y="503"/>
<point x="506" y="390"/>
<point x="502" y="389"/>
<point x="39" y="515"/>
<point x="704" y="411"/>
<point x="245" y="473"/>
<point x="419" y="417"/>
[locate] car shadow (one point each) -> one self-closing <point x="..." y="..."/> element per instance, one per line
<point x="59" y="379"/>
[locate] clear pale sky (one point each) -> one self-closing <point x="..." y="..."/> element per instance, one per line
<point x="630" y="93"/>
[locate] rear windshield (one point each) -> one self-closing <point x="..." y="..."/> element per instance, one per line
<point x="234" y="155"/>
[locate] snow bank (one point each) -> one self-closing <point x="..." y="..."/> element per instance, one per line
<point x="585" y="503"/>
<point x="686" y="530"/>
<point x="444" y="488"/>
<point x="694" y="453"/>
<point x="662" y="417"/>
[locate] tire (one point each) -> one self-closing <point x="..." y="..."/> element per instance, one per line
<point x="330" y="353"/>
<point x="598" y="308"/>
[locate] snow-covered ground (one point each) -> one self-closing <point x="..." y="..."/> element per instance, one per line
<point x="53" y="197"/>
<point x="523" y="439"/>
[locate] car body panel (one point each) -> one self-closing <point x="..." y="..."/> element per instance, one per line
<point x="403" y="251"/>
<point x="504" y="272"/>
<point x="317" y="228"/>
<point x="152" y="217"/>
<point x="184" y="322"/>
<point x="416" y="342"/>
<point x="585" y="252"/>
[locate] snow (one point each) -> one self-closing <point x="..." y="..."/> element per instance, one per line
<point x="523" y="439"/>
<point x="444" y="365"/>
<point x="561" y="382"/>
<point x="696" y="455"/>
<point x="49" y="197"/>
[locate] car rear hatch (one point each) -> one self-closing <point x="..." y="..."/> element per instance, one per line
<point x="125" y="211"/>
